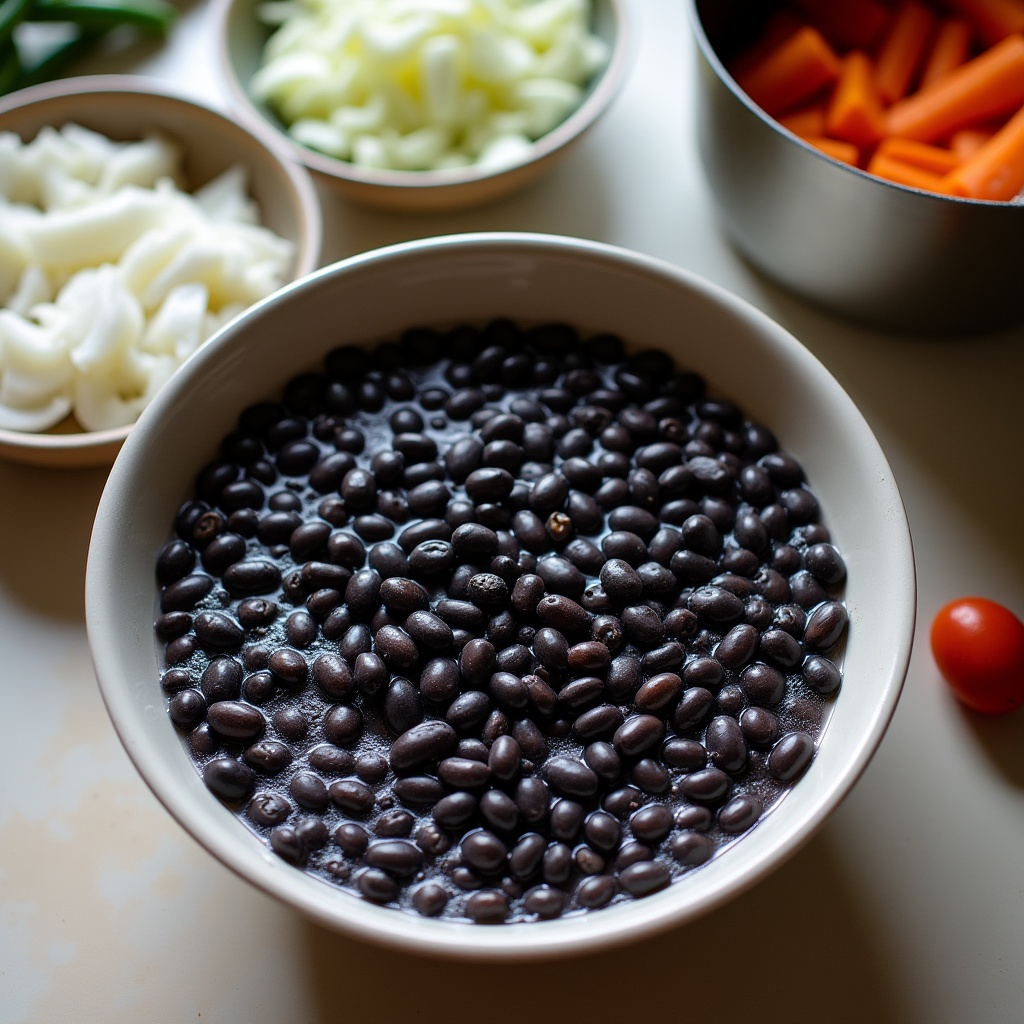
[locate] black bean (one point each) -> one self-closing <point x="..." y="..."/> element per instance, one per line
<point x="185" y="593"/>
<point x="790" y="756"/>
<point x="760" y="727"/>
<point x="645" y="878"/>
<point x="499" y="811"/>
<point x="343" y="725"/>
<point x="821" y="675"/>
<point x="651" y="824"/>
<point x="643" y="624"/>
<point x="526" y="856"/>
<point x="737" y="647"/>
<point x="484" y="852"/>
<point x="268" y="809"/>
<point x="403" y="595"/>
<point x="715" y="605"/>
<point x="709" y="786"/>
<point x="739" y="813"/>
<point x="825" y="625"/>
<point x="469" y="711"/>
<point x="362" y="592"/>
<point x="351" y="796"/>
<point x="221" y="679"/>
<point x="488" y="907"/>
<point x="571" y="778"/>
<point x="460" y="614"/>
<point x="229" y="779"/>
<point x="235" y="720"/>
<point x="329" y="760"/>
<point x="477" y="662"/>
<point x="398" y="857"/>
<point x="781" y="649"/>
<point x="430" y="899"/>
<point x="422" y="746"/>
<point x="690" y="848"/>
<point x="638" y="734"/>
<point x="488" y="591"/>
<point x="420" y="791"/>
<point x="308" y="790"/>
<point x="463" y="773"/>
<point x="650" y="776"/>
<point x="725" y="744"/>
<point x="763" y="685"/>
<point x="333" y="675"/>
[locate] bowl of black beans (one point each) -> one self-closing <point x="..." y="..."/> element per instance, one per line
<point x="501" y="596"/>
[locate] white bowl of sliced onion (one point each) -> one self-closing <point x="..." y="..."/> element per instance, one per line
<point x="134" y="223"/>
<point x="423" y="107"/>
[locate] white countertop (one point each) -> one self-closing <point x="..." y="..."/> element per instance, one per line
<point x="907" y="907"/>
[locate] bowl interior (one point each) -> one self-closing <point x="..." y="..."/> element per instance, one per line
<point x="532" y="279"/>
<point x="241" y="40"/>
<point x="126" y="108"/>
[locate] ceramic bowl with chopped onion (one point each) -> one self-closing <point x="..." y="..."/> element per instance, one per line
<point x="134" y="223"/>
<point x="424" y="105"/>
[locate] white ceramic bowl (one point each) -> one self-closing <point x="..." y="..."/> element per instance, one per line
<point x="533" y="278"/>
<point x="126" y="107"/>
<point x="241" y="37"/>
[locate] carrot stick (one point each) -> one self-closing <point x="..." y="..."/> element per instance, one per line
<point x="996" y="171"/>
<point x="806" y="121"/>
<point x="920" y="154"/>
<point x="966" y="142"/>
<point x="905" y="174"/>
<point x="993" y="20"/>
<point x="780" y="25"/>
<point x="951" y="48"/>
<point x="791" y="73"/>
<point x="847" y="152"/>
<point x="847" y="23"/>
<point x="855" y="113"/>
<point x="902" y="50"/>
<point x="989" y="85"/>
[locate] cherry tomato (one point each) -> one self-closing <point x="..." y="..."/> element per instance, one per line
<point x="979" y="648"/>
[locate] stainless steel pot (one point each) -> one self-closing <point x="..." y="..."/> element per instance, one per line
<point x="874" y="251"/>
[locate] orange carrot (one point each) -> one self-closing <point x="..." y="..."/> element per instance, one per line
<point x="966" y="142"/>
<point x="806" y="121"/>
<point x="920" y="154"/>
<point x="791" y="73"/>
<point x="905" y="174"/>
<point x="996" y="171"/>
<point x="855" y="113"/>
<point x="990" y="85"/>
<point x="903" y="49"/>
<point x="951" y="48"/>
<point x="847" y="23"/>
<point x="993" y="20"/>
<point x="845" y="151"/>
<point x="781" y="24"/>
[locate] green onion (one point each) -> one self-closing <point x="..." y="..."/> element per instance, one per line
<point x="12" y="13"/>
<point x="53" y="63"/>
<point x="154" y="16"/>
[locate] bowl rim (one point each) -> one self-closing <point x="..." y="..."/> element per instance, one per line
<point x="606" y="87"/>
<point x="711" y="56"/>
<point x="307" y="202"/>
<point x="456" y="940"/>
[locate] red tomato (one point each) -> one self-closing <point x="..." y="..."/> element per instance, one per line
<point x="979" y="647"/>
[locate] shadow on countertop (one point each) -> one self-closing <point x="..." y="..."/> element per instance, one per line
<point x="46" y="518"/>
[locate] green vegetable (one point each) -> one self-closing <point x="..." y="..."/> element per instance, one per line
<point x="10" y="66"/>
<point x="154" y="16"/>
<point x="92" y="19"/>
<point x="53" y="63"/>
<point x="12" y="13"/>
